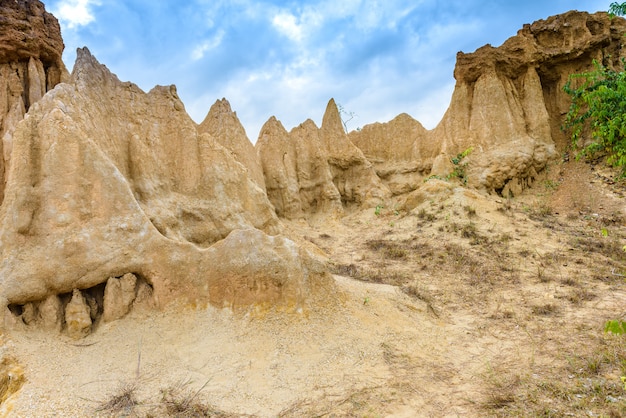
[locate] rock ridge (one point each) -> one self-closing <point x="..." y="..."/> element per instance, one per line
<point x="113" y="180"/>
<point x="314" y="172"/>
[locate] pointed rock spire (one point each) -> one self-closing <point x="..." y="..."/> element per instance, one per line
<point x="224" y="126"/>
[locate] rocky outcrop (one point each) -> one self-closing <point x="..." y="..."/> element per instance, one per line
<point x="112" y="198"/>
<point x="507" y="107"/>
<point x="113" y="180"/>
<point x="297" y="176"/>
<point x="30" y="65"/>
<point x="77" y="316"/>
<point x="316" y="172"/>
<point x="224" y="126"/>
<point x="51" y="313"/>
<point x="509" y="101"/>
<point x="400" y="150"/>
<point x="119" y="294"/>
<point x="353" y="175"/>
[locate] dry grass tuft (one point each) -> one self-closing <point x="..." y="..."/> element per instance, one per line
<point x="389" y="249"/>
<point x="501" y="389"/>
<point x="579" y="295"/>
<point x="548" y="309"/>
<point x="609" y="247"/>
<point x="540" y="212"/>
<point x="363" y="402"/>
<point x="347" y="270"/>
<point x="122" y="402"/>
<point x="421" y="293"/>
<point x="180" y="401"/>
<point x="426" y="216"/>
<point x="384" y="274"/>
<point x="470" y="211"/>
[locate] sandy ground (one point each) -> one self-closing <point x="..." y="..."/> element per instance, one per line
<point x="254" y="365"/>
<point x="466" y="305"/>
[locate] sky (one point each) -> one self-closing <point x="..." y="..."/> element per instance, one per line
<point x="376" y="58"/>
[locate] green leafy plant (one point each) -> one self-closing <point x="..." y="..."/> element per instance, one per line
<point x="460" y="166"/>
<point x="615" y="326"/>
<point x="434" y="176"/>
<point x="378" y="209"/>
<point x="599" y="108"/>
<point x="617" y="9"/>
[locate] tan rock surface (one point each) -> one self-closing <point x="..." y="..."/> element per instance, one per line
<point x="316" y="172"/>
<point x="298" y="177"/>
<point x="51" y="315"/>
<point x="507" y="106"/>
<point x="113" y="181"/>
<point x="224" y="125"/>
<point x="400" y="150"/>
<point x="278" y="157"/>
<point x="353" y="175"/>
<point x="119" y="294"/>
<point x="30" y="64"/>
<point x="77" y="318"/>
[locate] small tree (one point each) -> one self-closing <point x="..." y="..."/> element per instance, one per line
<point x="345" y="116"/>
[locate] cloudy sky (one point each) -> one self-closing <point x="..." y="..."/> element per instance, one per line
<point x="376" y="58"/>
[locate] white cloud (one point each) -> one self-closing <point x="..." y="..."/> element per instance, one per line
<point x="73" y="13"/>
<point x="287" y="24"/>
<point x="298" y="27"/>
<point x="200" y="50"/>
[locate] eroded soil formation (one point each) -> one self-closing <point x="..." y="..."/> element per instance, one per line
<point x="151" y="266"/>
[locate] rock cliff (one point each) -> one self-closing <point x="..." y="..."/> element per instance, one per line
<point x="114" y="181"/>
<point x="312" y="172"/>
<point x="224" y="125"/>
<point x="30" y="65"/>
<point x="507" y="106"/>
<point x="113" y="198"/>
<point x="401" y="151"/>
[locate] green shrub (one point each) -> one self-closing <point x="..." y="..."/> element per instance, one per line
<point x="599" y="108"/>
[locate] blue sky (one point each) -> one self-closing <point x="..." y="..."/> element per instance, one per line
<point x="377" y="58"/>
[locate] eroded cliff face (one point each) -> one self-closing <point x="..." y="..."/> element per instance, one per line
<point x="314" y="172"/>
<point x="114" y="181"/>
<point x="111" y="197"/>
<point x="401" y="151"/>
<point x="30" y="65"/>
<point x="224" y="125"/>
<point x="507" y="106"/>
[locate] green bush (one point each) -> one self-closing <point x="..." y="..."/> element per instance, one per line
<point x="599" y="105"/>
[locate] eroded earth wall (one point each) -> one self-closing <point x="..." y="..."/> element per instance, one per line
<point x="507" y="107"/>
<point x="30" y="65"/>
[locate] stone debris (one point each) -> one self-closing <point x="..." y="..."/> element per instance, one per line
<point x="77" y="316"/>
<point x="119" y="294"/>
<point x="51" y="315"/>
